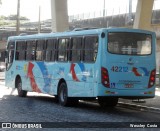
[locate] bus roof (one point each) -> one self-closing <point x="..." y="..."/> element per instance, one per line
<point x="76" y="32"/>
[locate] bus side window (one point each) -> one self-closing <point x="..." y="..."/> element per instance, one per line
<point x="11" y="47"/>
<point x="40" y="50"/>
<point x="30" y="51"/>
<point x="63" y="48"/>
<point x="10" y="56"/>
<point x="20" y="50"/>
<point x="51" y="50"/>
<point x="90" y="48"/>
<point x="76" y="48"/>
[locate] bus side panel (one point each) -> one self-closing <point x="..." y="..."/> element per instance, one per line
<point x="10" y="75"/>
<point x="44" y="77"/>
<point x="80" y="80"/>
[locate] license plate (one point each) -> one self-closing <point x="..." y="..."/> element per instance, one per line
<point x="128" y="85"/>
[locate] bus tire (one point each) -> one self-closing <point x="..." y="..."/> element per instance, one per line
<point x="63" y="94"/>
<point x="21" y="93"/>
<point x="63" y="98"/>
<point x="105" y="102"/>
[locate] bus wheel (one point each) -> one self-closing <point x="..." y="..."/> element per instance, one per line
<point x="63" y="98"/>
<point x="105" y="102"/>
<point x="21" y="93"/>
<point x="63" y="94"/>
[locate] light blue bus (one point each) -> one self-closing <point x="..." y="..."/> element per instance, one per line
<point x="103" y="64"/>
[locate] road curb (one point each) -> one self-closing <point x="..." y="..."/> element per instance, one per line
<point x="139" y="107"/>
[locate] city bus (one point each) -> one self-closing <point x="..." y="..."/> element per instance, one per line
<point x="103" y="64"/>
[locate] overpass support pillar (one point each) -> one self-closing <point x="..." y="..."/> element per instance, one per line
<point x="143" y="14"/>
<point x="59" y="12"/>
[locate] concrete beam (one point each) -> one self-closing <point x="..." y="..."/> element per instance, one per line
<point x="143" y="14"/>
<point x="59" y="12"/>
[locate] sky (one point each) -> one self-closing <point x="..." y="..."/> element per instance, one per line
<point x="30" y="8"/>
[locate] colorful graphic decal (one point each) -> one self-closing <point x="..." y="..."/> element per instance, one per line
<point x="72" y="71"/>
<point x="61" y="71"/>
<point x="81" y="65"/>
<point x="134" y="70"/>
<point x="31" y="77"/>
<point x="145" y="71"/>
<point x="25" y="68"/>
<point x="19" y="68"/>
<point x="137" y="72"/>
<point x="46" y="76"/>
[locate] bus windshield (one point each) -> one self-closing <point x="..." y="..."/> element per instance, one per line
<point x="128" y="43"/>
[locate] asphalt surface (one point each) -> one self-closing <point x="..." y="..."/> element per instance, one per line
<point x="39" y="107"/>
<point x="151" y="103"/>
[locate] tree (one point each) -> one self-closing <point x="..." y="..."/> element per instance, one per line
<point x="0" y="2"/>
<point x="14" y="17"/>
<point x="2" y="17"/>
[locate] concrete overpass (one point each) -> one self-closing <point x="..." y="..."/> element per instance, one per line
<point x="143" y="16"/>
<point x="142" y="20"/>
<point x="59" y="13"/>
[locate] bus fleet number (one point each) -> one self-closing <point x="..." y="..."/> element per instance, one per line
<point x="119" y="69"/>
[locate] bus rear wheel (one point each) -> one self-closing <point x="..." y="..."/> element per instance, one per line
<point x="63" y="98"/>
<point x="105" y="102"/>
<point x="21" y="93"/>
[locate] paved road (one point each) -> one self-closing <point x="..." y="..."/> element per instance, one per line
<point x="153" y="103"/>
<point x="43" y="108"/>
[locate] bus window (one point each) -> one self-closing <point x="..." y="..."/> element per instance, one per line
<point x="129" y="43"/>
<point x="90" y="48"/>
<point x="30" y="52"/>
<point x="20" y="50"/>
<point x="40" y="50"/>
<point x="144" y="46"/>
<point x="76" y="48"/>
<point x="51" y="51"/>
<point x="11" y="47"/>
<point x="10" y="54"/>
<point x="63" y="46"/>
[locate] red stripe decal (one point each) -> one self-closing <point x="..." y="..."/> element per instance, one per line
<point x="136" y="72"/>
<point x="31" y="77"/>
<point x="73" y="72"/>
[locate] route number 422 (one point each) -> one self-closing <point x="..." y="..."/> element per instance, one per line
<point x="119" y="69"/>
